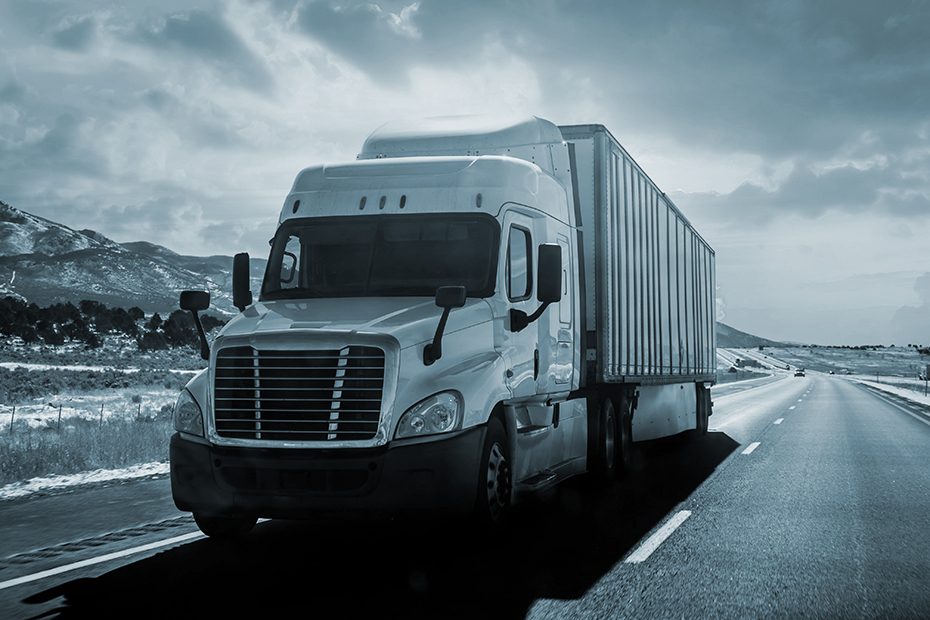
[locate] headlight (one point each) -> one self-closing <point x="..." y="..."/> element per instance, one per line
<point x="187" y="415"/>
<point x="440" y="413"/>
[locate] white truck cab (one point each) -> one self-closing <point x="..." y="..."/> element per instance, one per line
<point x="423" y="339"/>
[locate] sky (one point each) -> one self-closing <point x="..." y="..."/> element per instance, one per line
<point x="795" y="135"/>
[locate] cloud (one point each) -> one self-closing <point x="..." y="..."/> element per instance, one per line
<point x="807" y="192"/>
<point x="912" y="323"/>
<point x="75" y="33"/>
<point x="205" y="37"/>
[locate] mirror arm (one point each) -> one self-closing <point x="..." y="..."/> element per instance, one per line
<point x="433" y="351"/>
<point x="520" y="319"/>
<point x="204" y="345"/>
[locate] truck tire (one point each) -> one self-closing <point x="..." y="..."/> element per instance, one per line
<point x="495" y="478"/>
<point x="703" y="411"/>
<point x="624" y="442"/>
<point x="224" y="528"/>
<point x="602" y="440"/>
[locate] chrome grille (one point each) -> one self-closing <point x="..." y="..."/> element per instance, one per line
<point x="320" y="395"/>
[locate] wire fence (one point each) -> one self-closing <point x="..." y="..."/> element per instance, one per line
<point x="49" y="417"/>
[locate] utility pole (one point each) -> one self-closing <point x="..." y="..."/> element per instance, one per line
<point x="59" y="418"/>
<point x="101" y="414"/>
<point x="12" y="417"/>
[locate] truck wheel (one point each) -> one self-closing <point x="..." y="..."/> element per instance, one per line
<point x="703" y="411"/>
<point x="224" y="528"/>
<point x="624" y="442"/>
<point x="602" y="441"/>
<point x="495" y="483"/>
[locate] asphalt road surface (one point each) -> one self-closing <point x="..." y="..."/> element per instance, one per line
<point x="808" y="497"/>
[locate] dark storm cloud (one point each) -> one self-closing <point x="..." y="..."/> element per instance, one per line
<point x="775" y="79"/>
<point x="75" y="34"/>
<point x="205" y="37"/>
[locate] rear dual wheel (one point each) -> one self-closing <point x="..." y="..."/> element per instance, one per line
<point x="610" y="443"/>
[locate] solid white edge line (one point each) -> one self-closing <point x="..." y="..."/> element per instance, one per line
<point x="779" y="421"/>
<point x="751" y="447"/>
<point x="98" y="560"/>
<point x="916" y="416"/>
<point x="642" y="553"/>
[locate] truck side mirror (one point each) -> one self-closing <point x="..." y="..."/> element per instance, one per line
<point x="447" y="297"/>
<point x="549" y="276"/>
<point x="242" y="294"/>
<point x="197" y="301"/>
<point x="548" y="285"/>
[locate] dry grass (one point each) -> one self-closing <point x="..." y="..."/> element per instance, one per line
<point x="81" y="445"/>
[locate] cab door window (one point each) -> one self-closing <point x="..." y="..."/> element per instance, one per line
<point x="519" y="264"/>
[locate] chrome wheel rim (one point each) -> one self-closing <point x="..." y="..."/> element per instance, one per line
<point x="498" y="477"/>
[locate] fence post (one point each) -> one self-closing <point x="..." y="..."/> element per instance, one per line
<point x="59" y="418"/>
<point x="139" y="412"/>
<point x="12" y="417"/>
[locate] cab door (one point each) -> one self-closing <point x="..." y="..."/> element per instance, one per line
<point x="518" y="245"/>
<point x="556" y="331"/>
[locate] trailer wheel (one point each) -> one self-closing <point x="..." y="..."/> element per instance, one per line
<point x="224" y="528"/>
<point x="624" y="457"/>
<point x="602" y="440"/>
<point x="495" y="483"/>
<point x="703" y="411"/>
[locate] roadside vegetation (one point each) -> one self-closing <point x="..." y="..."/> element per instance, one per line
<point x="55" y="421"/>
<point x="82" y="445"/>
<point x="91" y="323"/>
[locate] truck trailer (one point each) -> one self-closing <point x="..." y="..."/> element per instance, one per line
<point x="472" y="311"/>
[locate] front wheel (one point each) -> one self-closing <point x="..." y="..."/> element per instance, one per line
<point x="224" y="528"/>
<point x="495" y="482"/>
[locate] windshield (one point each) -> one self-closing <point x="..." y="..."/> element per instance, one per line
<point x="390" y="255"/>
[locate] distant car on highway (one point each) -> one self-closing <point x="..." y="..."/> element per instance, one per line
<point x="832" y="373"/>
<point x="799" y="372"/>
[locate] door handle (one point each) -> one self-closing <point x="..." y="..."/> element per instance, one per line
<point x="535" y="364"/>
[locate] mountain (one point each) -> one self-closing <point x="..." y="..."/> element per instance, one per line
<point x="46" y="262"/>
<point x="730" y="337"/>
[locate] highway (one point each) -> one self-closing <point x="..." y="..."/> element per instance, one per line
<point x="809" y="496"/>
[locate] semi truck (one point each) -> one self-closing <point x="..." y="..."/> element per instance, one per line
<point x="472" y="311"/>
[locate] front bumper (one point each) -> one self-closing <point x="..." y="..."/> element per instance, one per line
<point x="412" y="477"/>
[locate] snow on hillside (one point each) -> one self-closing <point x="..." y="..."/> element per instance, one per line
<point x="24" y="233"/>
<point x="45" y="262"/>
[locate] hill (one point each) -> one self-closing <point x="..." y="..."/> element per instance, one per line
<point x="730" y="337"/>
<point x="45" y="262"/>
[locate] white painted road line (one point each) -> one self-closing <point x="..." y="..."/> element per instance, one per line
<point x="751" y="447"/>
<point x="919" y="418"/>
<point x="652" y="543"/>
<point x="791" y="407"/>
<point x="779" y="421"/>
<point x="98" y="560"/>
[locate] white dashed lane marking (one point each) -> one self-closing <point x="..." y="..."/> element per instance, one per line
<point x="779" y="421"/>
<point x="751" y="447"/>
<point x="652" y="543"/>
